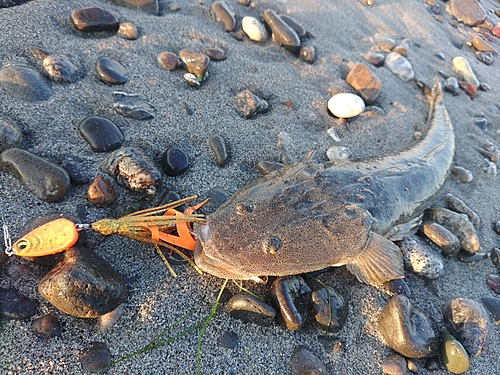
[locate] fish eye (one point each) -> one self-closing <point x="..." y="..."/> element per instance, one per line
<point x="244" y="208"/>
<point x="271" y="245"/>
<point x="23" y="244"/>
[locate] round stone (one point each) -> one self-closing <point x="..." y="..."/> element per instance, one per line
<point x="14" y="305"/>
<point x="395" y="364"/>
<point x="25" y="83"/>
<point x="174" y="161"/>
<point x="111" y="71"/>
<point x="94" y="19"/>
<point x="399" y="66"/>
<point x="96" y="358"/>
<point x="346" y="105"/>
<point x="100" y="133"/>
<point x="46" y="326"/>
<point x="168" y="60"/>
<point x="254" y="29"/>
<point x="453" y="355"/>
<point x="303" y="361"/>
<point x="215" y="54"/>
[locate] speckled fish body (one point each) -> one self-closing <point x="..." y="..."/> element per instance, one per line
<point x="307" y="216"/>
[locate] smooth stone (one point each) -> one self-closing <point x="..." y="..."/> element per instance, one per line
<point x="247" y="308"/>
<point x="170" y="197"/>
<point x="215" y="54"/>
<point x="330" y="309"/>
<point x="463" y="175"/>
<point x="217" y="197"/>
<point x="482" y="45"/>
<point x="492" y="304"/>
<point x="308" y="54"/>
<point x="10" y="135"/>
<point x="299" y="29"/>
<point x="457" y="205"/>
<point x="346" y="105"/>
<point x="411" y="365"/>
<point x="266" y="167"/>
<point x="174" y="162"/>
<point x="130" y="105"/>
<point x="485" y="87"/>
<point x="453" y="355"/>
<point x="398" y="286"/>
<point x="493" y="282"/>
<point x="336" y="153"/>
<point x="451" y="86"/>
<point x="101" y="134"/>
<point x="304" y="362"/>
<point x="191" y="80"/>
<point x="432" y="363"/>
<point x="62" y="68"/>
<point x="128" y="31"/>
<point x="94" y="19"/>
<point x="485" y="57"/>
<point x="440" y="56"/>
<point x="421" y="258"/>
<point x="254" y="29"/>
<point x="168" y="60"/>
<point x="463" y="71"/>
<point x="403" y="51"/>
<point x="470" y="12"/>
<point x="224" y="14"/>
<point x="467" y="257"/>
<point x="14" y="305"/>
<point x="481" y="123"/>
<point x="469" y="88"/>
<point x="96" y="358"/>
<point x="495" y="257"/>
<point x="395" y="364"/>
<point x="467" y="321"/>
<point x="132" y="169"/>
<point x="374" y="58"/>
<point x="249" y="104"/>
<point x="46" y="180"/>
<point x="46" y="327"/>
<point x="367" y="85"/>
<point x="281" y="32"/>
<point x="25" y="83"/>
<point x="148" y="6"/>
<point x="101" y="193"/>
<point x="290" y="295"/>
<point x="399" y="66"/>
<point x="196" y="63"/>
<point x="218" y="146"/>
<point x="385" y="44"/>
<point x="73" y="165"/>
<point x="111" y="71"/>
<point x="83" y="285"/>
<point x="228" y="340"/>
<point x="442" y="237"/>
<point x="405" y="329"/>
<point x="458" y="224"/>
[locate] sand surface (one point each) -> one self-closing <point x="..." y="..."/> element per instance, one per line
<point x="343" y="30"/>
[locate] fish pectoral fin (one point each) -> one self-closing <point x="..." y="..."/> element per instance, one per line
<point x="381" y="261"/>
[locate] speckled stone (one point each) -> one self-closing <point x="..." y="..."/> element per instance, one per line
<point x="14" y="305"/>
<point x="174" y="161"/>
<point x="46" y="180"/>
<point x="94" y="19"/>
<point x="304" y="362"/>
<point x="25" y="83"/>
<point x="249" y="104"/>
<point x="111" y="71"/>
<point x="421" y="258"/>
<point x="96" y="358"/>
<point x="10" y="135"/>
<point x="281" y="32"/>
<point x="128" y="31"/>
<point x="101" y="134"/>
<point x="131" y="105"/>
<point x="168" y="60"/>
<point x="291" y="296"/>
<point x="224" y="14"/>
<point x="46" y="326"/>
<point x="148" y="6"/>
<point x="399" y="66"/>
<point x="247" y="308"/>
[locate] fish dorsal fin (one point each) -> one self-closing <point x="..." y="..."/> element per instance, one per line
<point x="381" y="261"/>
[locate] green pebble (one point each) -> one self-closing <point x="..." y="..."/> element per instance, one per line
<point x="453" y="355"/>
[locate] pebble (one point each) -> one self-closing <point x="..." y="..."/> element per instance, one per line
<point x="453" y="355"/>
<point x="191" y="80"/>
<point x="492" y="304"/>
<point x="440" y="56"/>
<point x="228" y="340"/>
<point x="366" y="84"/>
<point x="336" y="153"/>
<point x="485" y="87"/>
<point x="215" y="54"/>
<point x="299" y="29"/>
<point x="247" y="308"/>
<point x="249" y="104"/>
<point x="459" y="206"/>
<point x="10" y="135"/>
<point x="451" y="86"/>
<point x="493" y="282"/>
<point x="304" y="362"/>
<point x="411" y="365"/>
<point x="421" y="258"/>
<point x="168" y="60"/>
<point x="467" y="257"/>
<point x="217" y="197"/>
<point x="385" y="44"/>
<point x="398" y="286"/>
<point x="470" y="12"/>
<point x="346" y="105"/>
<point x="458" y="224"/>
<point x="25" y="83"/>
<point x="46" y="326"/>
<point x="196" y="63"/>
<point x="132" y="169"/>
<point x="481" y="123"/>
<point x="374" y="58"/>
<point x="405" y="329"/>
<point x="395" y="364"/>
<point x="463" y="175"/>
<point x="94" y="19"/>
<point x="442" y="237"/>
<point x="254" y="29"/>
<point x="482" y="45"/>
<point x="467" y="321"/>
<point x="291" y="296"/>
<point x="170" y="197"/>
<point x="63" y="68"/>
<point x="83" y="285"/>
<point x="14" y="305"/>
<point x="128" y="31"/>
<point x="308" y="54"/>
<point x="224" y="14"/>
<point x="469" y="89"/>
<point x="218" y="146"/>
<point x="46" y="180"/>
<point x="399" y="66"/>
<point x="96" y="358"/>
<point x="266" y="167"/>
<point x="485" y="57"/>
<point x="495" y="258"/>
<point x="73" y="165"/>
<point x="148" y="6"/>
<point x="130" y="105"/>
<point x="101" y="193"/>
<point x="463" y="71"/>
<point x="174" y="162"/>
<point x="111" y="71"/>
<point x="281" y="32"/>
<point x="330" y="309"/>
<point x="100" y="133"/>
<point x="432" y="363"/>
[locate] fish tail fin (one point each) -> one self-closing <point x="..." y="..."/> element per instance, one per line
<point x="381" y="261"/>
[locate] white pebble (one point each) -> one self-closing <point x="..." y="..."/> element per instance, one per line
<point x="332" y="132"/>
<point x="255" y="29"/>
<point x="463" y="70"/>
<point x="335" y="153"/>
<point x="399" y="66"/>
<point x="345" y="105"/>
<point x="421" y="258"/>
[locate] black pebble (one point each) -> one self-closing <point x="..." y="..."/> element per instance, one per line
<point x="218" y="146"/>
<point x="74" y="166"/>
<point x="217" y="197"/>
<point x="495" y="257"/>
<point x="111" y="71"/>
<point x="94" y="19"/>
<point x="46" y="326"/>
<point x="398" y="286"/>
<point x="481" y="123"/>
<point x="492" y="304"/>
<point x="304" y="361"/>
<point x="174" y="162"/>
<point x="170" y="197"/>
<point x="228" y="340"/>
<point x="247" y="308"/>
<point x="96" y="358"/>
<point x="330" y="308"/>
<point x="101" y="134"/>
<point x="16" y="306"/>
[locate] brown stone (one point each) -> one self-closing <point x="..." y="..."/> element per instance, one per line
<point x="367" y="85"/>
<point x="101" y="193"/>
<point x="469" y="88"/>
<point x="196" y="63"/>
<point x="469" y="12"/>
<point x="168" y="60"/>
<point x="482" y="45"/>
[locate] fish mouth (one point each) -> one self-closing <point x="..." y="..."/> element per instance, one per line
<point x="212" y="265"/>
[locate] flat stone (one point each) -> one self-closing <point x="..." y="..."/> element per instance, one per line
<point x="224" y="14"/>
<point x="215" y="54"/>
<point x="367" y="85"/>
<point x="385" y="44"/>
<point x="96" y="358"/>
<point x="374" y="58"/>
<point x="399" y="66"/>
<point x="10" y="135"/>
<point x="305" y="362"/>
<point x="46" y="180"/>
<point x="298" y="28"/>
<point x="218" y="146"/>
<point x="148" y="6"/>
<point x="46" y="327"/>
<point x="111" y="71"/>
<point x="131" y="105"/>
<point x="25" y="83"/>
<point x="457" y="205"/>
<point x="469" y="12"/>
<point x="228" y="340"/>
<point x="63" y="68"/>
<point x="14" y="305"/>
<point x="168" y="60"/>
<point x="100" y="133"/>
<point x="94" y="19"/>
<point x="196" y="63"/>
<point x="247" y="308"/>
<point x="73" y="165"/>
<point x="281" y="32"/>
